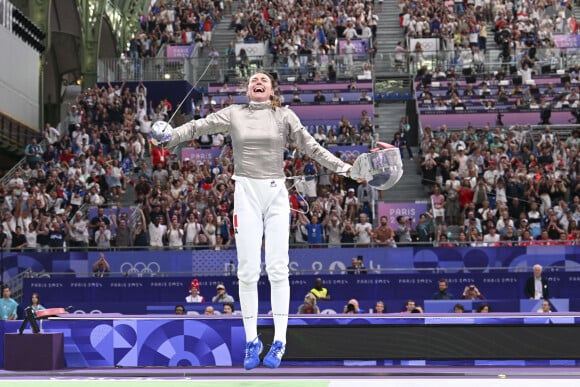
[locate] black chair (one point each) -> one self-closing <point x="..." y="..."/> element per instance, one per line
<point x="546" y="69"/>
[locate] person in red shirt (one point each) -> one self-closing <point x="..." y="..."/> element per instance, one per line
<point x="443" y="241"/>
<point x="207" y="25"/>
<point x="66" y="156"/>
<point x="465" y="194"/>
<point x="545" y="239"/>
<point x="574" y="236"/>
<point x="159" y="155"/>
<point x="166" y="104"/>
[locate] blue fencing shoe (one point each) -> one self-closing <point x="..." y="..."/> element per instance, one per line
<point x="274" y="356"/>
<point x="252" y="356"/>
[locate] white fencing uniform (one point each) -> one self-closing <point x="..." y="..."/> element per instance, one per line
<point x="260" y="135"/>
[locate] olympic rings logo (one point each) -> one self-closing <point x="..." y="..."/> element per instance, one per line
<point x="94" y="311"/>
<point x="426" y="44"/>
<point x="349" y="155"/>
<point x="140" y="269"/>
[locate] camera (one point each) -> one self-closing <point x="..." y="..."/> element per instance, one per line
<point x="472" y="287"/>
<point x="349" y="308"/>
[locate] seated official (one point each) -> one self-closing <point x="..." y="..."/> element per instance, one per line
<point x="320" y="292"/>
<point x="309" y="306"/>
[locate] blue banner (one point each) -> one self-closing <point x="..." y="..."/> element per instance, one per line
<point x="140" y="295"/>
<point x="407" y="260"/>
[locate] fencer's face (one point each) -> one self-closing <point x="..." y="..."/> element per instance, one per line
<point x="260" y="88"/>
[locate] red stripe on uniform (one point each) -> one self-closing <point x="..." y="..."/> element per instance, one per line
<point x="235" y="220"/>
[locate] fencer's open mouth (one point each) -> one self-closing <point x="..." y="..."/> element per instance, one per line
<point x="259" y="89"/>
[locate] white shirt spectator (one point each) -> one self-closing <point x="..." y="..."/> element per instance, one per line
<point x="175" y="237"/>
<point x="364" y="233"/>
<point x="96" y="199"/>
<point x="78" y="230"/>
<point x="503" y="224"/>
<point x="51" y="134"/>
<point x="103" y="238"/>
<point x="491" y="238"/>
<point x="192" y="231"/>
<point x="79" y="136"/>
<point x="156" y="234"/>
<point x="350" y="33"/>
<point x="526" y="74"/>
<point x="74" y="116"/>
<point x="30" y="238"/>
<point x="16" y="184"/>
<point x="217" y="140"/>
<point x="366" y="32"/>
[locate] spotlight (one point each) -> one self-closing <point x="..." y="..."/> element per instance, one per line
<point x="167" y="76"/>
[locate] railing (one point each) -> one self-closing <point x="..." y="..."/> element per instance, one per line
<point x="289" y="69"/>
<point x="15" y="283"/>
<point x="561" y="130"/>
<point x="414" y="243"/>
<point x="191" y="69"/>
<point x="381" y="270"/>
<point x="548" y="60"/>
<point x="15" y="135"/>
<point x="10" y="174"/>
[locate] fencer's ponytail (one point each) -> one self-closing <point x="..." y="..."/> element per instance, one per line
<point x="276" y="101"/>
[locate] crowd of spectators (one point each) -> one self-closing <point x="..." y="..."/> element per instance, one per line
<point x="501" y="93"/>
<point x="301" y="36"/>
<point x="502" y="186"/>
<point x="523" y="30"/>
<point x="103" y="153"/>
<point x="498" y="185"/>
<point x="91" y="161"/>
<point x="176" y="22"/>
<point x="495" y="185"/>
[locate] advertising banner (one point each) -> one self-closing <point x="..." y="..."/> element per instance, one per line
<point x="361" y="46"/>
<point x="199" y="156"/>
<point x="179" y="51"/>
<point x="411" y="210"/>
<point x="567" y="41"/>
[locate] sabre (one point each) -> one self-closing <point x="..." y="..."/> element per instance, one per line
<point x="160" y="127"/>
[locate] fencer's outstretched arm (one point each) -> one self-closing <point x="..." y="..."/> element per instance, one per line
<point x="307" y="144"/>
<point x="218" y="122"/>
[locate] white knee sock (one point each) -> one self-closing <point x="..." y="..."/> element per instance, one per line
<point x="249" y="305"/>
<point x="280" y="296"/>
